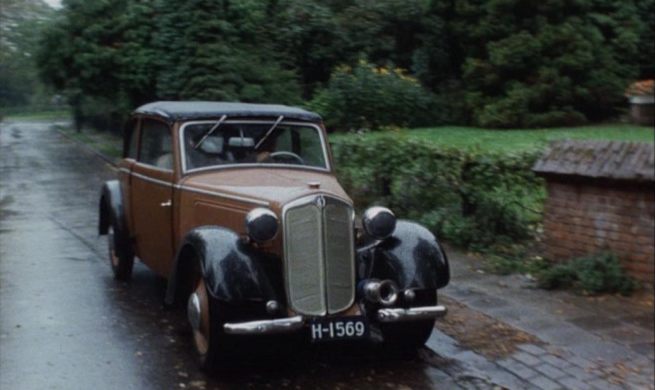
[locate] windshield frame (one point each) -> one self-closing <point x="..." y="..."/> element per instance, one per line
<point x="321" y="134"/>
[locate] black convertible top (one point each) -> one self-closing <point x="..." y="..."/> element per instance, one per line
<point x="185" y="110"/>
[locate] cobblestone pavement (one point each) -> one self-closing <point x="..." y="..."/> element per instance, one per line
<point x="541" y="367"/>
<point x="583" y="342"/>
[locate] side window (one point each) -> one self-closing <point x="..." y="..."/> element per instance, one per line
<point x="130" y="138"/>
<point x="134" y="139"/>
<point x="156" y="144"/>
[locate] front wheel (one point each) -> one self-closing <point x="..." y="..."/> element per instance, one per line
<point x="407" y="335"/>
<point x="410" y="335"/>
<point x="120" y="257"/>
<point x="204" y="315"/>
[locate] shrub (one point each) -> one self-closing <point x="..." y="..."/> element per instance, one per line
<point x="514" y="260"/>
<point x="593" y="274"/>
<point x="472" y="199"/>
<point x="102" y="114"/>
<point x="371" y="97"/>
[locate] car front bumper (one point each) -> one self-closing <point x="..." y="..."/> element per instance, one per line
<point x="292" y="324"/>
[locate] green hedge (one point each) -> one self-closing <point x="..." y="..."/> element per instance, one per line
<point x="470" y="198"/>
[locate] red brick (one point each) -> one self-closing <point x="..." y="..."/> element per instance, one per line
<point x="620" y="248"/>
<point x="583" y="218"/>
<point x="639" y="271"/>
<point x="641" y="258"/>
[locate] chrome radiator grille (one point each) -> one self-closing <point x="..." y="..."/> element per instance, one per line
<point x="319" y="255"/>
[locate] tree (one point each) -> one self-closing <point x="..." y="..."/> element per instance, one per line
<point x="79" y="55"/>
<point x="646" y="48"/>
<point x="312" y="40"/>
<point x="532" y="64"/>
<point x="227" y="56"/>
<point x="20" y="23"/>
<point x="385" y="31"/>
<point x="137" y="56"/>
<point x="494" y="63"/>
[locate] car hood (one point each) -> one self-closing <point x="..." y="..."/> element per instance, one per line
<point x="272" y="186"/>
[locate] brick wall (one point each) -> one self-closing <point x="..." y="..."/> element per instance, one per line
<point x="585" y="218"/>
<point x="642" y="114"/>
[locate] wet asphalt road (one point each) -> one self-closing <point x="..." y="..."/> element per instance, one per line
<point x="66" y="324"/>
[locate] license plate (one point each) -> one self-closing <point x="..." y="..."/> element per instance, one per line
<point x="344" y="328"/>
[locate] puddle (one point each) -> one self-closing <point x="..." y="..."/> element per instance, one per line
<point x="5" y="201"/>
<point x="72" y="258"/>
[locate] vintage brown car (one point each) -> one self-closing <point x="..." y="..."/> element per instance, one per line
<point x="238" y="207"/>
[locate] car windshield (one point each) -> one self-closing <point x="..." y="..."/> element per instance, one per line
<point x="251" y="143"/>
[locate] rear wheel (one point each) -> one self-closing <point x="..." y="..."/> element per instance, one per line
<point x="121" y="258"/>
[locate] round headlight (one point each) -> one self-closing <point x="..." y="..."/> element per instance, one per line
<point x="379" y="222"/>
<point x="261" y="224"/>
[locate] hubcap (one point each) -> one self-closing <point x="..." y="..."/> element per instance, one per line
<point x="198" y="316"/>
<point x="193" y="311"/>
<point x="112" y="249"/>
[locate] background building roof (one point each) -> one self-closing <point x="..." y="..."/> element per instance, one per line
<point x="599" y="159"/>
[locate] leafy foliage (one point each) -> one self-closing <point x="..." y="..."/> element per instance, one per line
<point x="227" y="56"/>
<point x="385" y="31"/>
<point x="370" y="97"/>
<point x="493" y="63"/>
<point x="90" y="67"/>
<point x="593" y="274"/>
<point x="540" y="64"/>
<point x="20" y="25"/>
<point x="646" y="49"/>
<point x="473" y="199"/>
<point x="516" y="259"/>
<point x="311" y="38"/>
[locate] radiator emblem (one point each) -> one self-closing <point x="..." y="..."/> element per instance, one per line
<point x="320" y="202"/>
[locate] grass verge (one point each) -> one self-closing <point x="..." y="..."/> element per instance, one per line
<point x="39" y="115"/>
<point x="107" y="144"/>
<point x="517" y="140"/>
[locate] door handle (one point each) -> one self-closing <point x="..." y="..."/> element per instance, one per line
<point x="168" y="203"/>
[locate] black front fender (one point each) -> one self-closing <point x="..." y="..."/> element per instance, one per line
<point x="412" y="257"/>
<point x="233" y="270"/>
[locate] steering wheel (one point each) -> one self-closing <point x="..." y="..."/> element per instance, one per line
<point x="287" y="154"/>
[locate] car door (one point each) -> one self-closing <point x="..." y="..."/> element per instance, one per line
<point x="151" y="196"/>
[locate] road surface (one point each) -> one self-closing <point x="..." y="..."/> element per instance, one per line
<point x="66" y="324"/>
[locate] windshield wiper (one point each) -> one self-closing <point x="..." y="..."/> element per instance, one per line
<point x="277" y="122"/>
<point x="210" y="132"/>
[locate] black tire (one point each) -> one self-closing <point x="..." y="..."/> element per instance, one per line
<point x="410" y="335"/>
<point x="121" y="257"/>
<point x="406" y="336"/>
